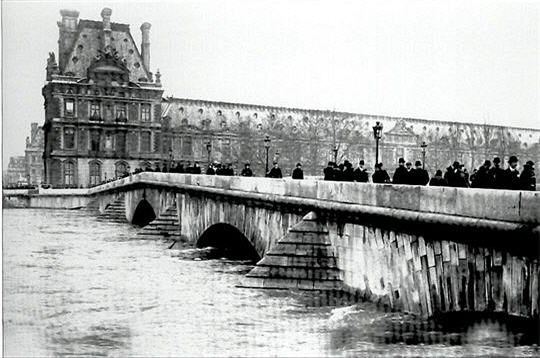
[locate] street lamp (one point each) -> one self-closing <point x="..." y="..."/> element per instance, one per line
<point x="423" y="146"/>
<point x="171" y="158"/>
<point x="267" y="147"/>
<point x="377" y="133"/>
<point x="208" y="151"/>
<point x="335" y="153"/>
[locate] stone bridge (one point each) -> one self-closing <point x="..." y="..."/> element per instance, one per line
<point x="424" y="250"/>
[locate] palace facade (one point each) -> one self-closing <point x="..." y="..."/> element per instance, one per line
<point x="105" y="113"/>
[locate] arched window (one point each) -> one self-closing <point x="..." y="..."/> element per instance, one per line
<point x="120" y="169"/>
<point x="95" y="173"/>
<point x="69" y="173"/>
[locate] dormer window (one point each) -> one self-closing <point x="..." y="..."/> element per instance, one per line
<point x="69" y="107"/>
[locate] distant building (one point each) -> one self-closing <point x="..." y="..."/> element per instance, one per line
<point x="16" y="172"/>
<point x="104" y="113"/>
<point x="102" y="106"/>
<point x="34" y="155"/>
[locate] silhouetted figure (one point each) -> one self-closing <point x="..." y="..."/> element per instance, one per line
<point x="418" y="175"/>
<point x="456" y="177"/>
<point x="348" y="171"/>
<point x="361" y="174"/>
<point x="329" y="171"/>
<point x="157" y="168"/>
<point x="196" y="168"/>
<point x="438" y="179"/>
<point x="229" y="171"/>
<point x="275" y="172"/>
<point x="527" y="179"/>
<point x="401" y="173"/>
<point x="246" y="172"/>
<point x="511" y="180"/>
<point x="497" y="174"/>
<point x="210" y="170"/>
<point x="408" y="176"/>
<point x="298" y="172"/>
<point x="180" y="168"/>
<point x="380" y="175"/>
<point x="338" y="172"/>
<point x="220" y="170"/>
<point x="482" y="178"/>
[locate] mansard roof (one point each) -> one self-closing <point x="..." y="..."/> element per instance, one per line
<point x="88" y="41"/>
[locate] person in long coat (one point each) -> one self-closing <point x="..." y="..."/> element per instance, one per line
<point x="380" y="176"/>
<point x="419" y="176"/>
<point x="297" y="172"/>
<point x="401" y="173"/>
<point x="361" y="174"/>
<point x="527" y="179"/>
<point x="275" y="172"/>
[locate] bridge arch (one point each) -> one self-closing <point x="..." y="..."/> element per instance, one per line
<point x="229" y="241"/>
<point x="144" y="213"/>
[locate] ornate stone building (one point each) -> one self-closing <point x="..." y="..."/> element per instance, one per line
<point x="16" y="172"/>
<point x="34" y="155"/>
<point x="237" y="131"/>
<point x="102" y="105"/>
<point x="105" y="112"/>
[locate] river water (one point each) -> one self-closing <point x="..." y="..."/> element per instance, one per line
<point x="74" y="286"/>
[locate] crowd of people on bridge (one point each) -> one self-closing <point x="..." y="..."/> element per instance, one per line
<point x="456" y="175"/>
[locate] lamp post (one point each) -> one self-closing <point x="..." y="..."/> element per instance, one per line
<point x="171" y="158"/>
<point x="267" y="147"/>
<point x="208" y="151"/>
<point x="377" y="133"/>
<point x="335" y="153"/>
<point x="423" y="146"/>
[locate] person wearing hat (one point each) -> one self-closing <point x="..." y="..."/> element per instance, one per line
<point x="456" y="177"/>
<point x="438" y="179"/>
<point x="527" y="179"/>
<point x="497" y="174"/>
<point x="511" y="174"/>
<point x="361" y="174"/>
<point x="329" y="171"/>
<point x="482" y="178"/>
<point x="246" y="172"/>
<point x="275" y="172"/>
<point x="380" y="176"/>
<point x="401" y="173"/>
<point x="348" y="171"/>
<point x="418" y="175"/>
<point x="297" y="172"/>
<point x="210" y="170"/>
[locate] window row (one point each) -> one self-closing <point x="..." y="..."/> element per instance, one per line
<point x="65" y="173"/>
<point x="119" y="111"/>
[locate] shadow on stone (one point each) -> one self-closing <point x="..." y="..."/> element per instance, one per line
<point x="228" y="242"/>
<point x="144" y="214"/>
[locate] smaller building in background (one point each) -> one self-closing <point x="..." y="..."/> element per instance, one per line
<point x="34" y="155"/>
<point x="16" y="172"/>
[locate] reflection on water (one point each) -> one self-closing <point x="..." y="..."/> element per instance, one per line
<point x="75" y="286"/>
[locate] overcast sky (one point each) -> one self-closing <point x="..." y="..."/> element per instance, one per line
<point x="458" y="61"/>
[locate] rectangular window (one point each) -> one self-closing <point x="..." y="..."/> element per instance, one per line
<point x="145" y="113"/>
<point x="69" y="173"/>
<point x="121" y="111"/>
<point x="145" y="142"/>
<point x="69" y="138"/>
<point x="95" y="111"/>
<point x="69" y="107"/>
<point x="186" y="146"/>
<point x="94" y="141"/>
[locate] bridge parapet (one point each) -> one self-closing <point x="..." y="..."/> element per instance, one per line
<point x="499" y="205"/>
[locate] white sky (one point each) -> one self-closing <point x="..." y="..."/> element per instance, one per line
<point x="465" y="61"/>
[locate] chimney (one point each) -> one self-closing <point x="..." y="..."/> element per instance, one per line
<point x="106" y="16"/>
<point x="145" y="45"/>
<point x="33" y="131"/>
<point x="68" y="31"/>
